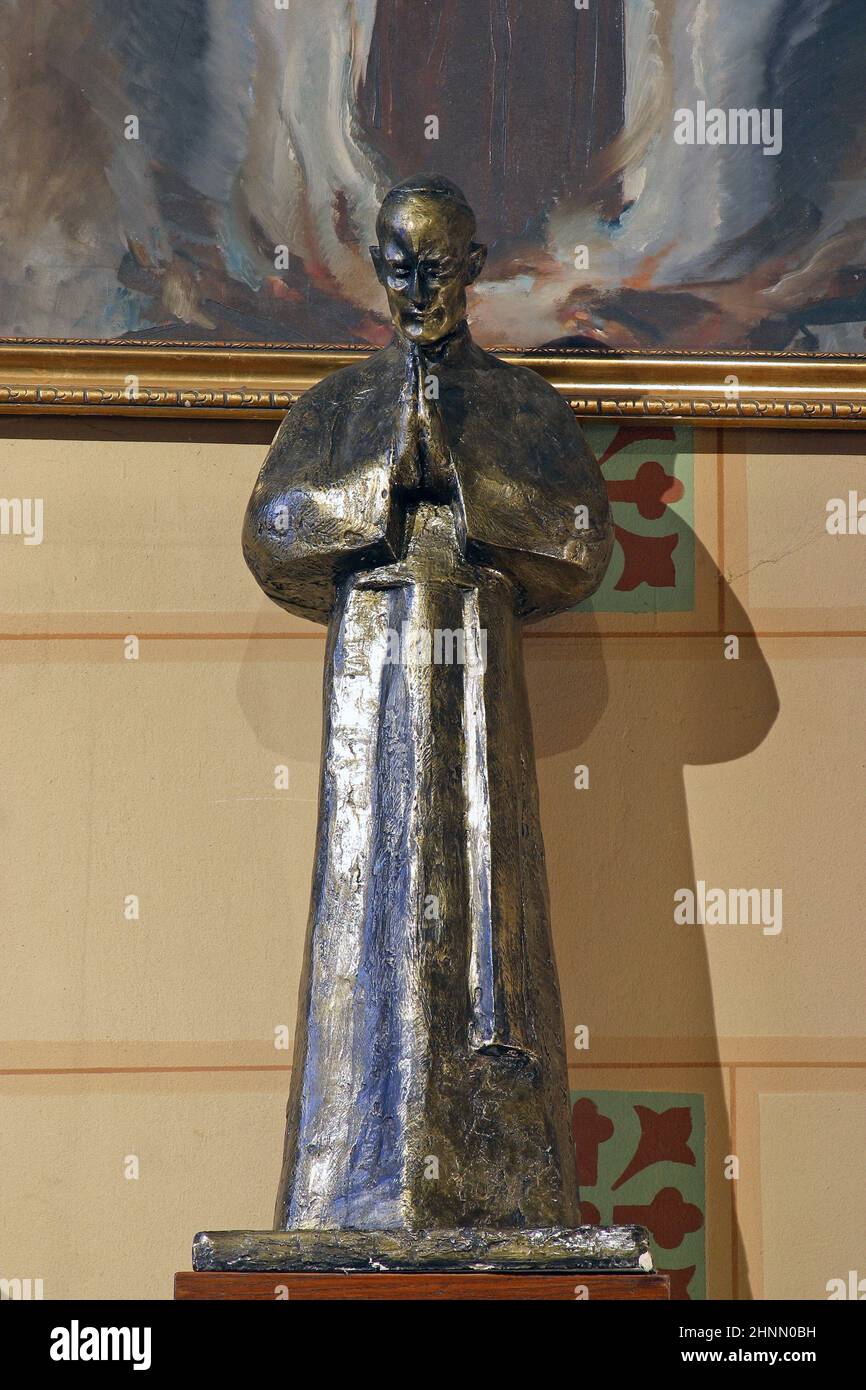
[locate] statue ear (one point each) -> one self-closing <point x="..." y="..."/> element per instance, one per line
<point x="477" y="257"/>
<point x="376" y="258"/>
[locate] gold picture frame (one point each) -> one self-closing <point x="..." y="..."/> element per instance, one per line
<point x="261" y="381"/>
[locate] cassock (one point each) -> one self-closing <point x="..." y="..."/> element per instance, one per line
<point x="429" y="1085"/>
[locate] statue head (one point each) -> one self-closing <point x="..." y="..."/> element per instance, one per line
<point x="426" y="256"/>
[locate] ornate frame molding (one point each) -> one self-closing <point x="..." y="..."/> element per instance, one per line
<point x="260" y="381"/>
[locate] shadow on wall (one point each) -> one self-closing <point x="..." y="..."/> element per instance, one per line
<point x="635" y="711"/>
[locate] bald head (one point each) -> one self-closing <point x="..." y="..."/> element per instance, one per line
<point x="426" y="256"/>
<point x="440" y="197"/>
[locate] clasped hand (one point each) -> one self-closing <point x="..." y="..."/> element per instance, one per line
<point x="421" y="458"/>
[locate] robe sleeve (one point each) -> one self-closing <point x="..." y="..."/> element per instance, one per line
<point x="317" y="513"/>
<point x="535" y="501"/>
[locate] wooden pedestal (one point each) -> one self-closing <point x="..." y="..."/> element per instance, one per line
<point x="561" y="1288"/>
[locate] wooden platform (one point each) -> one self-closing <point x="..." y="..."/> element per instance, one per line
<point x="560" y="1288"/>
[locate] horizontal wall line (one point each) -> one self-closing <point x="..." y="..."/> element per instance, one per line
<point x="573" y="1066"/>
<point x="702" y="633"/>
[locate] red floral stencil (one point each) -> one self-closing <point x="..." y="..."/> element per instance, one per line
<point x="640" y="1160"/>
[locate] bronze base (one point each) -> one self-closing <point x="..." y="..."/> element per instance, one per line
<point x="605" y="1249"/>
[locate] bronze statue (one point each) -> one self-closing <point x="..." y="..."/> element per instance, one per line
<point x="422" y="504"/>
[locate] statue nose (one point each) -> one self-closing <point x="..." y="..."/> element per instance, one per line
<point x="416" y="289"/>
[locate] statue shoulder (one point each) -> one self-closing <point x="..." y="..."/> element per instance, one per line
<point x="317" y="439"/>
<point x="521" y="424"/>
<point x="534" y="498"/>
<point x="530" y="395"/>
<point x="321" y="508"/>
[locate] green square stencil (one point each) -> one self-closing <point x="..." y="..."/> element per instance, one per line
<point x="649" y="471"/>
<point x="640" y="1158"/>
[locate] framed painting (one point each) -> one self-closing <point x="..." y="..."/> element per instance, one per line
<point x="673" y="193"/>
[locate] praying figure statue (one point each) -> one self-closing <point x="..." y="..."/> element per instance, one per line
<point x="423" y="504"/>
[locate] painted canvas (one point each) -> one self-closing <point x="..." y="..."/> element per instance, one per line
<point x="649" y="174"/>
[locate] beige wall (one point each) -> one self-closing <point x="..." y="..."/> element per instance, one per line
<point x="155" y="777"/>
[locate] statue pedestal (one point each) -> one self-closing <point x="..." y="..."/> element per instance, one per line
<point x="431" y="1287"/>
<point x="546" y="1250"/>
<point x="550" y="1263"/>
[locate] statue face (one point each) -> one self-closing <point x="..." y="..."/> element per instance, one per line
<point x="425" y="261"/>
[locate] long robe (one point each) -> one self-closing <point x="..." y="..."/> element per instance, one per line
<point x="429" y="1087"/>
